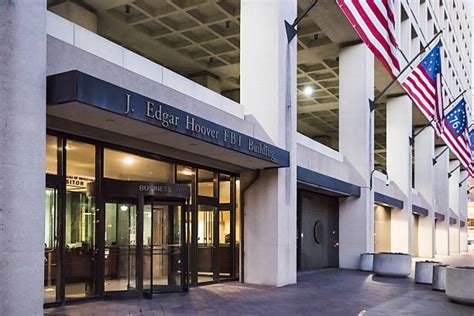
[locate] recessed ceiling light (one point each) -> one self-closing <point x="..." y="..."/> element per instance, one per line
<point x="308" y="91"/>
<point x="128" y="160"/>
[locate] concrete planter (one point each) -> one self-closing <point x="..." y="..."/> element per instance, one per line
<point x="460" y="284"/>
<point x="397" y="265"/>
<point x="367" y="262"/>
<point x="439" y="277"/>
<point x="424" y="271"/>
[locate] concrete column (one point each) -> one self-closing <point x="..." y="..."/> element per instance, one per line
<point x="442" y="201"/>
<point x="22" y="150"/>
<point x="268" y="91"/>
<point x="454" y="205"/>
<point x="399" y="167"/>
<point x="425" y="185"/>
<point x="463" y="211"/>
<point x="356" y="143"/>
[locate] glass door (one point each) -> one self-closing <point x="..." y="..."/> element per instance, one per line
<point x="51" y="247"/>
<point x="164" y="252"/>
<point x="120" y="253"/>
<point x="207" y="243"/>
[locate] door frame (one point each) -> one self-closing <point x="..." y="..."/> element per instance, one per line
<point x="165" y="193"/>
<point x="101" y="278"/>
<point x="184" y="280"/>
<point x="58" y="183"/>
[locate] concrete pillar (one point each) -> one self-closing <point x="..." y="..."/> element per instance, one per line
<point x="454" y="205"/>
<point x="425" y="185"/>
<point x="463" y="211"/>
<point x="442" y="201"/>
<point x="399" y="167"/>
<point x="356" y="143"/>
<point x="268" y="91"/>
<point x="22" y="150"/>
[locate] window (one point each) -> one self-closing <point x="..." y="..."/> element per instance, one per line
<point x="207" y="183"/>
<point x="51" y="161"/>
<point x="124" y="166"/>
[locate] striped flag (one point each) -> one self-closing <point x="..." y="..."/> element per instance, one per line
<point x="456" y="134"/>
<point x="424" y="85"/>
<point x="374" y="21"/>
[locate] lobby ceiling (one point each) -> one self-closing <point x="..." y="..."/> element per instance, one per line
<point x="200" y="39"/>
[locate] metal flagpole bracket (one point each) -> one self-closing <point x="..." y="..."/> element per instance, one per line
<point x="464" y="180"/>
<point x="291" y="29"/>
<point x="435" y="159"/>
<point x="372" y="105"/>
<point x="451" y="172"/>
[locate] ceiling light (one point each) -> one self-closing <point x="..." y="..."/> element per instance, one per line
<point x="123" y="208"/>
<point x="187" y="171"/>
<point x="128" y="160"/>
<point x="308" y="91"/>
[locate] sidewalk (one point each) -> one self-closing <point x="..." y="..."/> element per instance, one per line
<point x="323" y="292"/>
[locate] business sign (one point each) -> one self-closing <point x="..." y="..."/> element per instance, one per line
<point x="77" y="86"/>
<point x="121" y="188"/>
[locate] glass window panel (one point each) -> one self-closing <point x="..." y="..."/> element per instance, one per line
<point x="124" y="166"/>
<point x="237" y="227"/>
<point x="207" y="183"/>
<point x="51" y="163"/>
<point x="205" y="242"/>
<point x="185" y="175"/>
<point x="224" y="189"/>
<point x="79" y="263"/>
<point x="120" y="247"/>
<point x="225" y="250"/>
<point x="50" y="247"/>
<point x="237" y="211"/>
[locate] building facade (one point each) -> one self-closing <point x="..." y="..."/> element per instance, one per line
<point x="151" y="146"/>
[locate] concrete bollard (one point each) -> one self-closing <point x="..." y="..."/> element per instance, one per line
<point x="367" y="262"/>
<point x="439" y="277"/>
<point x="424" y="271"/>
<point x="397" y="265"/>
<point x="460" y="284"/>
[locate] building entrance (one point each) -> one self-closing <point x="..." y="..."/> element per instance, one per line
<point x="122" y="223"/>
<point x="164" y="247"/>
<point x="135" y="247"/>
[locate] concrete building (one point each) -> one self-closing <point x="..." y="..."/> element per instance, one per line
<point x="187" y="142"/>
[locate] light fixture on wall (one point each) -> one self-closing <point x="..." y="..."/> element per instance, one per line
<point x="387" y="179"/>
<point x="123" y="208"/>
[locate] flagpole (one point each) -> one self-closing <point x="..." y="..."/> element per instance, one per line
<point x="372" y="103"/>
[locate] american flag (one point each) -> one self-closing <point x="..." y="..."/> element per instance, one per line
<point x="374" y="21"/>
<point x="423" y="84"/>
<point x="456" y="134"/>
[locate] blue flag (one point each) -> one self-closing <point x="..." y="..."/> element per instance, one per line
<point x="456" y="119"/>
<point x="471" y="138"/>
